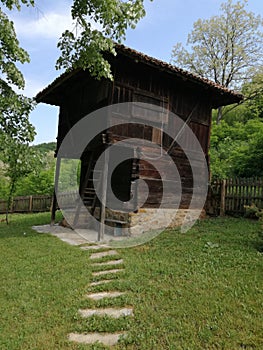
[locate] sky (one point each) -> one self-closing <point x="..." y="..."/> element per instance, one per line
<point x="38" y="29"/>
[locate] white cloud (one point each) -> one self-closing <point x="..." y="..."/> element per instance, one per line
<point x="33" y="87"/>
<point x="49" y="26"/>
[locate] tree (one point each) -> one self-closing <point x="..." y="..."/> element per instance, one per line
<point x="224" y="48"/>
<point x="81" y="48"/>
<point x="39" y="181"/>
<point x="19" y="160"/>
<point x="14" y="107"/>
<point x="84" y="47"/>
<point x="237" y="149"/>
<point x="253" y="90"/>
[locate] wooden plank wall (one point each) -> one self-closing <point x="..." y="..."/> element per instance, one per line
<point x="149" y="88"/>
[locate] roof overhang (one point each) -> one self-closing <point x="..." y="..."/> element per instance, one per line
<point x="220" y="96"/>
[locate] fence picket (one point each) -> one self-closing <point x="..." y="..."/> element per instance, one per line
<point x="35" y="203"/>
<point x="237" y="193"/>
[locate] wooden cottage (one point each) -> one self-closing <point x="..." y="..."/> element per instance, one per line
<point x="138" y="79"/>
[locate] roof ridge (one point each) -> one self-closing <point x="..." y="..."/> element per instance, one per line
<point x="177" y="69"/>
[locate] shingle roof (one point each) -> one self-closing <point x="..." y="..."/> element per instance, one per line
<point x="156" y="63"/>
<point x="169" y="67"/>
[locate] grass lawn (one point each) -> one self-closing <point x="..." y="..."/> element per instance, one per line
<point x="200" y="290"/>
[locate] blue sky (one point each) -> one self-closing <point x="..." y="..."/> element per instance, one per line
<point x="166" y="23"/>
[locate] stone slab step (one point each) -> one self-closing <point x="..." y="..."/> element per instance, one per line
<point x="103" y="254"/>
<point x="102" y="295"/>
<point x="115" y="313"/>
<point x="93" y="247"/>
<point x="108" y="339"/>
<point x="109" y="263"/>
<point x="100" y="273"/>
<point x="72" y="241"/>
<point x="93" y="284"/>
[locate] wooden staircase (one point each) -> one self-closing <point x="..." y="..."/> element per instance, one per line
<point x="114" y="220"/>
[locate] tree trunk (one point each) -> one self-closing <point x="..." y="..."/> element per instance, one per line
<point x="219" y="115"/>
<point x="9" y="201"/>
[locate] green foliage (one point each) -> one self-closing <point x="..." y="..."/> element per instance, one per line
<point x="84" y="47"/>
<point x="252" y="212"/>
<point x="237" y="142"/>
<point x="223" y="48"/>
<point x="253" y="92"/>
<point x="14" y="114"/>
<point x="11" y="4"/>
<point x="3" y="184"/>
<point x="69" y="175"/>
<point x="14" y="108"/>
<point x="40" y="180"/>
<point x="237" y="149"/>
<point x="45" y="148"/>
<point x="19" y="160"/>
<point x="36" y="183"/>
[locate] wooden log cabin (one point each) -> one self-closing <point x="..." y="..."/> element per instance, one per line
<point x="138" y="78"/>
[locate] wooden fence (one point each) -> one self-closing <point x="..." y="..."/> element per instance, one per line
<point x="225" y="197"/>
<point x="229" y="197"/>
<point x="38" y="203"/>
<point x="28" y="204"/>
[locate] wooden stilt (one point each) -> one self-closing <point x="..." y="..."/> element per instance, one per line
<point x="103" y="195"/>
<point x="54" y="201"/>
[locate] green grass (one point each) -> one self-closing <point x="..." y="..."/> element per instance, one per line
<point x="199" y="290"/>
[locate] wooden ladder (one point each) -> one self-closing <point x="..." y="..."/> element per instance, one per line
<point x="88" y="195"/>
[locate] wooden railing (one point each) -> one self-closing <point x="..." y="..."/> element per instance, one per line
<point x="230" y="196"/>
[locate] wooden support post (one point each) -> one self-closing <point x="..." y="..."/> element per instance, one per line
<point x="54" y="201"/>
<point x="137" y="155"/>
<point x="104" y="179"/>
<point x="223" y="198"/>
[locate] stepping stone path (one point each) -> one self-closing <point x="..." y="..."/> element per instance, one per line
<point x="102" y="295"/>
<point x="93" y="247"/>
<point x="103" y="254"/>
<point x="93" y="284"/>
<point x="107" y="339"/>
<point x="109" y="263"/>
<point x="115" y="313"/>
<point x="106" y="272"/>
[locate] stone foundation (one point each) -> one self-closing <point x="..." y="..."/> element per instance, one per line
<point x="146" y="219"/>
<point x="154" y="219"/>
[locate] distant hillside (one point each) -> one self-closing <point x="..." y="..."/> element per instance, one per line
<point x="46" y="147"/>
